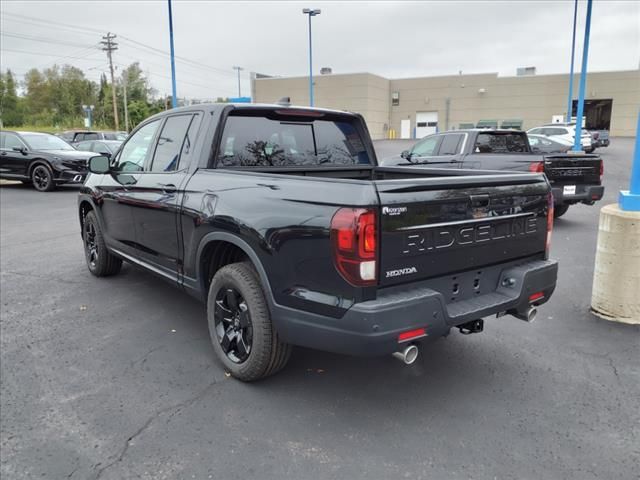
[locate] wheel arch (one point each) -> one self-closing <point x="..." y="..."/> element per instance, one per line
<point x="38" y="161"/>
<point x="218" y="249"/>
<point x="84" y="207"/>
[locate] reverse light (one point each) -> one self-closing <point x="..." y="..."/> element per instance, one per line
<point x="536" y="167"/>
<point x="549" y="223"/>
<point x="354" y="239"/>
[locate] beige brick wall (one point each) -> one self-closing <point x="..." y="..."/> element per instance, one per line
<point x="534" y="99"/>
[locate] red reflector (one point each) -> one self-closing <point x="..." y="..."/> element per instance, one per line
<point x="536" y="296"/>
<point x="411" y="334"/>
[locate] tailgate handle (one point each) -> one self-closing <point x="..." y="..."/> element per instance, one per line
<point x="479" y="200"/>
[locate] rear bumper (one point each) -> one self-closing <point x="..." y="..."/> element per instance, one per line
<point x="371" y="328"/>
<point x="584" y="194"/>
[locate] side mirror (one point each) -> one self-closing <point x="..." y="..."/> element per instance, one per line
<point x="22" y="150"/>
<point x="535" y="149"/>
<point x="99" y="164"/>
<point x="406" y="154"/>
<point x="106" y="154"/>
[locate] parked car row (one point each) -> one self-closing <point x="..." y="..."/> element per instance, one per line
<point x="44" y="160"/>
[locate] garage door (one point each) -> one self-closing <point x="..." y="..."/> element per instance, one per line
<point x="426" y="123"/>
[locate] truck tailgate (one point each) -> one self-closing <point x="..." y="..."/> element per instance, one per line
<point x="573" y="169"/>
<point x="433" y="227"/>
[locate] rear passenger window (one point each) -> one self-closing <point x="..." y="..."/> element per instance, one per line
<point x="170" y="142"/>
<point x="450" y="144"/>
<point x="276" y="139"/>
<point x="501" y="143"/>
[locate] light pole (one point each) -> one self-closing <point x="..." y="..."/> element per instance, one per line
<point x="174" y="99"/>
<point x="573" y="52"/>
<point x="311" y="12"/>
<point x="238" y="69"/>
<point x="577" y="146"/>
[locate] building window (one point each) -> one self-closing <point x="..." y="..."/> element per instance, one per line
<point x="395" y="99"/>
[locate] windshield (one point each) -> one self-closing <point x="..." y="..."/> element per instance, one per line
<point x="44" y="141"/>
<point x="291" y="140"/>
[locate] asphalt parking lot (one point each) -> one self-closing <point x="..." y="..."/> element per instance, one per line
<point x="115" y="378"/>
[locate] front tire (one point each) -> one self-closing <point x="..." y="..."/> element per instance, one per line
<point x="559" y="210"/>
<point x="100" y="261"/>
<point x="240" y="327"/>
<point x="42" y="178"/>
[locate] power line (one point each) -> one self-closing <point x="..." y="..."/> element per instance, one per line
<point x="39" y="39"/>
<point x="47" y="22"/>
<point x="109" y="46"/>
<point x="86" y="31"/>
<point x="27" y="52"/>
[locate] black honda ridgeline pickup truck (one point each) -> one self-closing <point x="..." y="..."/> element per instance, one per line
<point x="281" y="219"/>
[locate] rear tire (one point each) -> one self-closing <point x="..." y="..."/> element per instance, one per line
<point x="42" y="178"/>
<point x="240" y="326"/>
<point x="560" y="210"/>
<point x="100" y="261"/>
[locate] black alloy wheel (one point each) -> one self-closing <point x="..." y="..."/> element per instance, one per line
<point x="233" y="326"/>
<point x="42" y="178"/>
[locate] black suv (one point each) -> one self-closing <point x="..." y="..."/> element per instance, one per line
<point x="41" y="159"/>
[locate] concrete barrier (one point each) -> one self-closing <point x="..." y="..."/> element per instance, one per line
<point x="616" y="280"/>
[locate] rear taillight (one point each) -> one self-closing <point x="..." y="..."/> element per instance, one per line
<point x="536" y="167"/>
<point x="354" y="237"/>
<point x="549" y="223"/>
<point x="601" y="170"/>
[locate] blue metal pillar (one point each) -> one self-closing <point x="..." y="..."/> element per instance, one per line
<point x="630" y="200"/>
<point x="573" y="53"/>
<point x="583" y="79"/>
<point x="310" y="66"/>
<point x="174" y="99"/>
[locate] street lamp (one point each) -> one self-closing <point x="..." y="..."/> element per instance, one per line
<point x="311" y="12"/>
<point x="238" y="69"/>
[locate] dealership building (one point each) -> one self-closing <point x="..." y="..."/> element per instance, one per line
<point x="415" y="107"/>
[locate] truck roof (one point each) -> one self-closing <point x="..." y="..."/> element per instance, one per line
<point x="214" y="107"/>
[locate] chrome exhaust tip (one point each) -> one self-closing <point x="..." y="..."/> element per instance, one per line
<point x="529" y="315"/>
<point x="408" y="355"/>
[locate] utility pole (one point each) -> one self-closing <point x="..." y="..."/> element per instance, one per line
<point x="238" y="69"/>
<point x="125" y="74"/>
<point x="109" y="46"/>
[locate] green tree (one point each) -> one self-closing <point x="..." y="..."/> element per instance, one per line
<point x="138" y="111"/>
<point x="10" y="107"/>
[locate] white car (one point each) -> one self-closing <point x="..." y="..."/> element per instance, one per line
<point x="565" y="132"/>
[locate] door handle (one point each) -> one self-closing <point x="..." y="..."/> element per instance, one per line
<point x="168" y="187"/>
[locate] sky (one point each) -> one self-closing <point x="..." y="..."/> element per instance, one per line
<point x="392" y="39"/>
